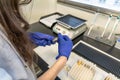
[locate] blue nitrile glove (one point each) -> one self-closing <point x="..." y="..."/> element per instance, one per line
<point x="41" y="39"/>
<point x="64" y="46"/>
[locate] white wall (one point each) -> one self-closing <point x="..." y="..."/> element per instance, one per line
<point x="39" y="8"/>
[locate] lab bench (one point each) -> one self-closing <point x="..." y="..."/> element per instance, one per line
<point x="39" y="27"/>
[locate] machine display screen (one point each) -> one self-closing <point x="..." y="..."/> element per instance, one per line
<point x="71" y="21"/>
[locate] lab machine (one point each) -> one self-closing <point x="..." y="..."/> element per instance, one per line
<point x="67" y="25"/>
<point x="70" y="25"/>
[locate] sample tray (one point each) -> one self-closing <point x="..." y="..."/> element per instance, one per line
<point x="102" y="59"/>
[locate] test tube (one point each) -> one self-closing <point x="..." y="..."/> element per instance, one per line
<point x="55" y="39"/>
<point x="92" y="25"/>
<point x="114" y="27"/>
<point x="107" y="24"/>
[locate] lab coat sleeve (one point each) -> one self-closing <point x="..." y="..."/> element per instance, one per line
<point x="4" y="75"/>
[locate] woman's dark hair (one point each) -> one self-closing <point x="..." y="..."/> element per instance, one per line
<point x="15" y="26"/>
<point x="25" y="2"/>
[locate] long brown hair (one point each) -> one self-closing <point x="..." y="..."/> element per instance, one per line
<point x="12" y="22"/>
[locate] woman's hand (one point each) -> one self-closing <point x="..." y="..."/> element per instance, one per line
<point x="41" y="39"/>
<point x="65" y="46"/>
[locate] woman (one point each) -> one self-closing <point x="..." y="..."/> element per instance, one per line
<point x="15" y="46"/>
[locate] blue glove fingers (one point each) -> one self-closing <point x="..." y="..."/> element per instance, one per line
<point x="37" y="38"/>
<point x="57" y="56"/>
<point x="65" y="46"/>
<point x="41" y="43"/>
<point x="34" y="35"/>
<point x="66" y="38"/>
<point x="50" y="38"/>
<point x="44" y="36"/>
<point x="39" y="35"/>
<point x="46" y="42"/>
<point x="38" y="43"/>
<point x="49" y="43"/>
<point x="60" y="37"/>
